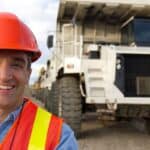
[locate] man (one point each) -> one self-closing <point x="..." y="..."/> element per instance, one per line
<point x="24" y="125"/>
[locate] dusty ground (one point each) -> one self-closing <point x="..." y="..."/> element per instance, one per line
<point x="120" y="136"/>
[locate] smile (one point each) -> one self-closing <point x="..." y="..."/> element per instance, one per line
<point x="2" y="87"/>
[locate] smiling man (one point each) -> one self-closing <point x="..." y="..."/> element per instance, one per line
<point x="24" y="125"/>
<point x="14" y="75"/>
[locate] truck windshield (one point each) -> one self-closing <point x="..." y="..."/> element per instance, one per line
<point x="142" y="31"/>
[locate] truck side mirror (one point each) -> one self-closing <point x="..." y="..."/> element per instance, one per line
<point x="50" y="41"/>
<point x="48" y="63"/>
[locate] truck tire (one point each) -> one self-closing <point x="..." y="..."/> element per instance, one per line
<point x="66" y="102"/>
<point x="49" y="102"/>
<point x="52" y="99"/>
<point x="147" y="125"/>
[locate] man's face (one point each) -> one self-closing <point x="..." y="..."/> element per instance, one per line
<point x="14" y="76"/>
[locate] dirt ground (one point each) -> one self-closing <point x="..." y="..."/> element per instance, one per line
<point x="119" y="136"/>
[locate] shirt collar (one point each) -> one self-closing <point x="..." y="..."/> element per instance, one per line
<point x="13" y="115"/>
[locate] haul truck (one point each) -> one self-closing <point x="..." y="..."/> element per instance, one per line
<point x="101" y="61"/>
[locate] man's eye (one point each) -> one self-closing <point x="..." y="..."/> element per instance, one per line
<point x="17" y="65"/>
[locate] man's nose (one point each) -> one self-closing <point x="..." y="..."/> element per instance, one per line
<point x="5" y="72"/>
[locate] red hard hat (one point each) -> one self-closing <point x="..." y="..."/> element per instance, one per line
<point x="15" y="35"/>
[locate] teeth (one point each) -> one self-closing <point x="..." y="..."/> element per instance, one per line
<point x="2" y="87"/>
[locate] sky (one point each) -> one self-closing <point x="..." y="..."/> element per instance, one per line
<point x="40" y="16"/>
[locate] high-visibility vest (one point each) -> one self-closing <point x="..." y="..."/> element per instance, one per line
<point x="34" y="129"/>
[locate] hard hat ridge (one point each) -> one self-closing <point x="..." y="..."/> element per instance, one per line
<point x="15" y="35"/>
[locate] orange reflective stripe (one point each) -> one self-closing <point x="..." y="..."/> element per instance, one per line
<point x="6" y="140"/>
<point x="54" y="133"/>
<point x="39" y="130"/>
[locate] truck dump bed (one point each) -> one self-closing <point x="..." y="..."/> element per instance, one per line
<point x="112" y="10"/>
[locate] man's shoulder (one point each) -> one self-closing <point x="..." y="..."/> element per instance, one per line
<point x="67" y="140"/>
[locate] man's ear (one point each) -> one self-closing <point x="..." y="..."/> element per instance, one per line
<point x="29" y="74"/>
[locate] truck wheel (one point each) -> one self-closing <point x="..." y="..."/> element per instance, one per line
<point x="70" y="97"/>
<point x="51" y="98"/>
<point x="66" y="102"/>
<point x="147" y="125"/>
